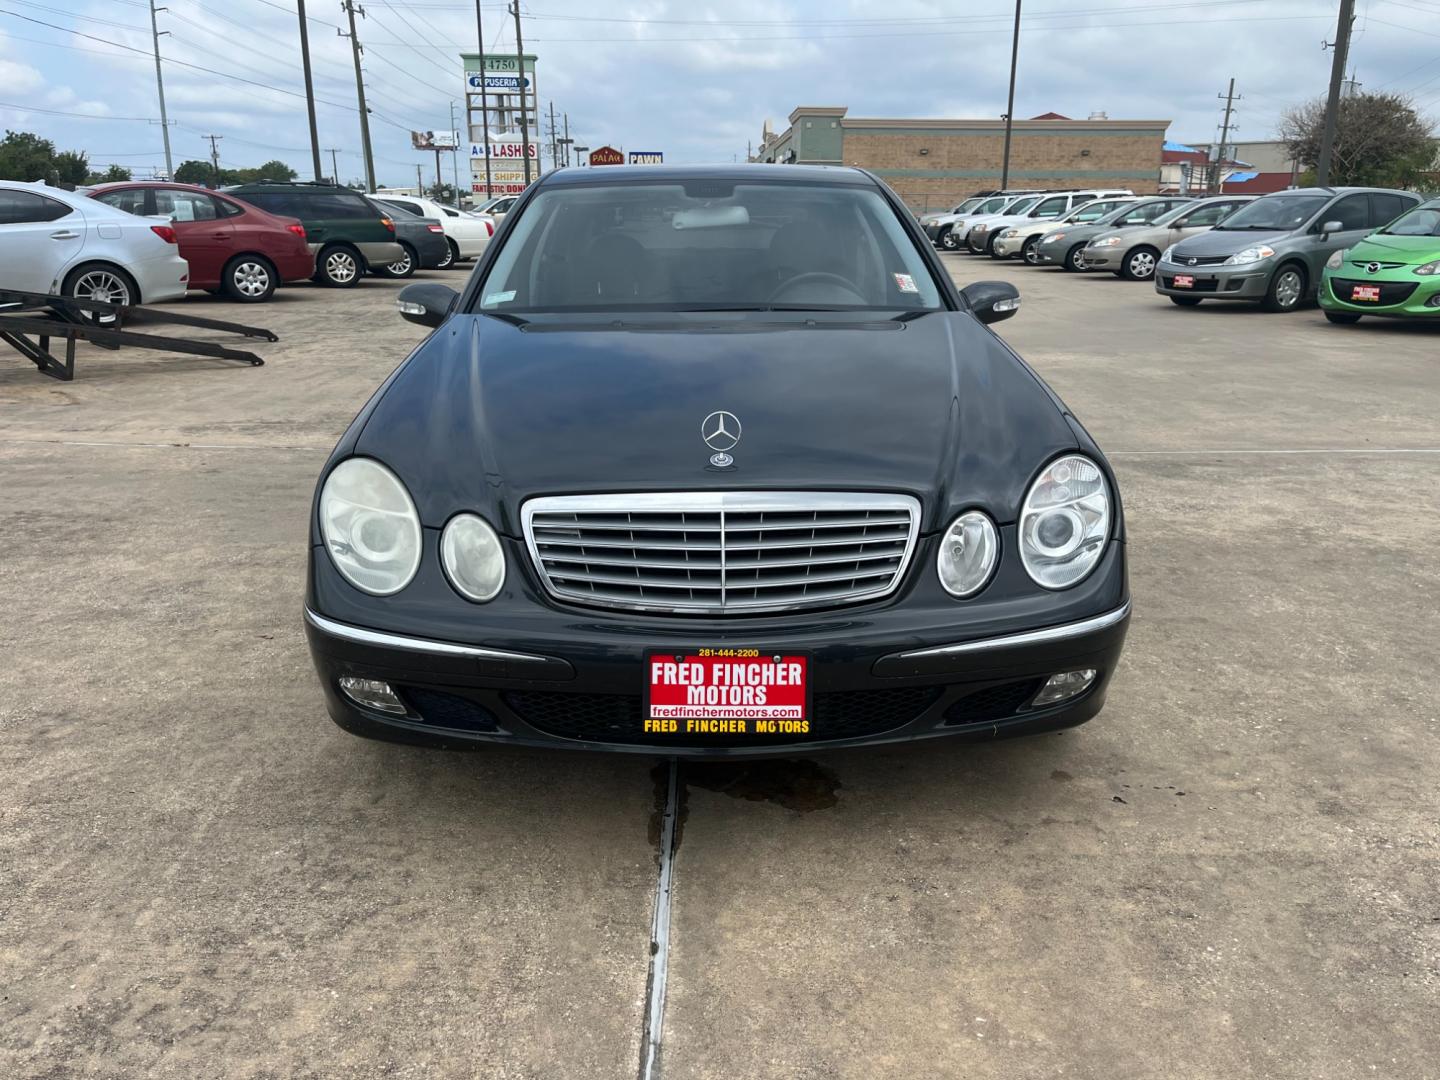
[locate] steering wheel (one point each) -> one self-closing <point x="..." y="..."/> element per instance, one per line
<point x="816" y="277"/>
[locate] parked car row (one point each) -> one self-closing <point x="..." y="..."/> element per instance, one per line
<point x="951" y="231"/>
<point x="149" y="241"/>
<point x="1356" y="251"/>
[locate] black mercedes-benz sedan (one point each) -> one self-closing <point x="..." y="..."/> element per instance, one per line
<point x="718" y="462"/>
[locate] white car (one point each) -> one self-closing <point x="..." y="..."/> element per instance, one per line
<point x="497" y="207"/>
<point x="468" y="235"/>
<point x="62" y="243"/>
<point x="981" y="238"/>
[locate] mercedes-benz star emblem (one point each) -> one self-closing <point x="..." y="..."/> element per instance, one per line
<point x="1372" y="268"/>
<point x="721" y="432"/>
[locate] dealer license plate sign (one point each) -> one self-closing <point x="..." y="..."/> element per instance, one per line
<point x="727" y="692"/>
<point x="1184" y="281"/>
<point x="1365" y="292"/>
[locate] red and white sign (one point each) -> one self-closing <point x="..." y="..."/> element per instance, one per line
<point x="1184" y="281"/>
<point x="606" y="155"/>
<point x="726" y="692"/>
<point x="1365" y="292"/>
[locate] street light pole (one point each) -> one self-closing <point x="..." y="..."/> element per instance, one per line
<point x="520" y="76"/>
<point x="1010" y="107"/>
<point x="484" y="100"/>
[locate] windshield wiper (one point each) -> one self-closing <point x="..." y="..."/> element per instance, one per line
<point x="505" y="316"/>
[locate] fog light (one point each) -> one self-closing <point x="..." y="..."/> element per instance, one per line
<point x="1064" y="686"/>
<point x="374" y="694"/>
<point x="1434" y="301"/>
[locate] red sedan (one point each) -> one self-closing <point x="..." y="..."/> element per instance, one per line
<point x="232" y="247"/>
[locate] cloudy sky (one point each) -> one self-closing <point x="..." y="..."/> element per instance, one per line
<point x="694" y="78"/>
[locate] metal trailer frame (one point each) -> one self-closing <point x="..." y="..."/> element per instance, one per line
<point x="29" y="320"/>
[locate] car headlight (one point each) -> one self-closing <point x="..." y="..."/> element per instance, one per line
<point x="1250" y="255"/>
<point x="472" y="556"/>
<point x="1109" y="241"/>
<point x="1168" y="254"/>
<point x="1429" y="268"/>
<point x="1009" y="234"/>
<point x="370" y="526"/>
<point x="1064" y="522"/>
<point x="1053" y="237"/>
<point x="968" y="553"/>
<point x="1336" y="260"/>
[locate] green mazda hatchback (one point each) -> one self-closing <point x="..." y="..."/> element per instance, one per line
<point x="1395" y="271"/>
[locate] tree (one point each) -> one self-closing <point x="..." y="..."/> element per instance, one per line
<point x="1380" y="140"/>
<point x="194" y="172"/>
<point x="273" y="170"/>
<point x="72" y="166"/>
<point x="25" y="157"/>
<point x="111" y="175"/>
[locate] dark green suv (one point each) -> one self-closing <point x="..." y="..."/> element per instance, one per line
<point x="346" y="233"/>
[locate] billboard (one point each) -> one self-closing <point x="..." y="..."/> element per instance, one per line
<point x="606" y="155"/>
<point x="435" y="140"/>
<point x="497" y="188"/>
<point x="646" y="157"/>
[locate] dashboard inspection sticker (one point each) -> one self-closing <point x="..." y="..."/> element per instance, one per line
<point x="500" y="297"/>
<point x="905" y="283"/>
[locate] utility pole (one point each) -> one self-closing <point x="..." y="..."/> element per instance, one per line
<point x="309" y="93"/>
<point x="160" y="86"/>
<point x="356" y="50"/>
<point x="565" y="142"/>
<point x="1009" y="108"/>
<point x="1216" y="181"/>
<point x="419" y="184"/>
<point x="334" y="164"/>
<point x="455" y="159"/>
<point x="554" y="135"/>
<point x="214" y="155"/>
<point x="1337" y="76"/>
<point x="484" y="99"/>
<point x="520" y="74"/>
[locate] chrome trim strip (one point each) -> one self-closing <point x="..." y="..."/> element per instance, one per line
<point x="1029" y="637"/>
<point x="361" y="636"/>
<point x="721" y="502"/>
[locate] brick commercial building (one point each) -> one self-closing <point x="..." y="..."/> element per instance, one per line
<point x="934" y="163"/>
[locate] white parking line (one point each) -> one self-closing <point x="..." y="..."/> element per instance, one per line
<point x="1241" y="452"/>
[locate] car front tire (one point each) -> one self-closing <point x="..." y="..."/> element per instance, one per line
<point x="452" y="255"/>
<point x="1031" y="251"/>
<point x="1075" y="259"/>
<point x="948" y="240"/>
<point x="1287" y="289"/>
<point x="248" y="279"/>
<point x="1139" y="264"/>
<point x="339" y="266"/>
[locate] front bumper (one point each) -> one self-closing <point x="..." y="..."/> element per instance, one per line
<point x="542" y="674"/>
<point x="1248" y="282"/>
<point x="1106" y="258"/>
<point x="1007" y="247"/>
<point x="1409" y="295"/>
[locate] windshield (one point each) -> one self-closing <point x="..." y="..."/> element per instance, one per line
<point x="1422" y="221"/>
<point x="1019" y="206"/>
<point x="1119" y="212"/>
<point x="966" y="206"/>
<point x="708" y="245"/>
<point x="1170" y="215"/>
<point x="1274" y="212"/>
<point x="1091" y="211"/>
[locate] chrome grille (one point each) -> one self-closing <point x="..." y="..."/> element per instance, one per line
<point x="721" y="552"/>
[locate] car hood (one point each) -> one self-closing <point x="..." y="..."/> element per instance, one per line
<point x="487" y="414"/>
<point x="1407" y="249"/>
<point x="1223" y="242"/>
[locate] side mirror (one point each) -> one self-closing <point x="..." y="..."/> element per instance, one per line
<point x="1329" y="227"/>
<point x="992" y="301"/>
<point x="426" y="303"/>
